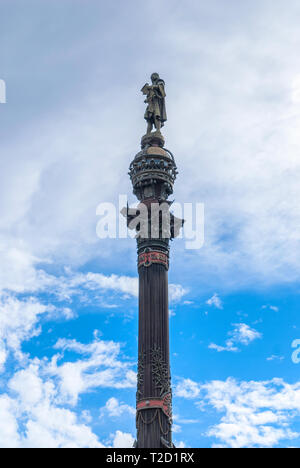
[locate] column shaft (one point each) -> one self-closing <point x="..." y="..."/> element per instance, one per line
<point x="154" y="361"/>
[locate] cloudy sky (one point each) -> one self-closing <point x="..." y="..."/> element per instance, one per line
<point x="68" y="300"/>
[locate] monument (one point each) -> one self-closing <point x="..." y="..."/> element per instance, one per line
<point x="153" y="172"/>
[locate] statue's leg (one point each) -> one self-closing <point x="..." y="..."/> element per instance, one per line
<point x="157" y="124"/>
<point x="149" y="128"/>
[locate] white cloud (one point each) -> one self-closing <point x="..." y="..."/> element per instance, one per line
<point x="176" y="429"/>
<point x="9" y="436"/>
<point x="94" y="281"/>
<point x="86" y="416"/>
<point x="3" y="356"/>
<point x="296" y="90"/>
<point x="181" y="420"/>
<point x="253" y="213"/>
<point x="241" y="334"/>
<point x="186" y="388"/>
<point x="100" y="366"/>
<point x="176" y="292"/>
<point x="39" y="397"/>
<point x="229" y="347"/>
<point x="180" y="444"/>
<point x="255" y="414"/>
<point x="215" y="301"/>
<point x="116" y="409"/>
<point x="33" y="402"/>
<point x="249" y="187"/>
<point x="85" y="285"/>
<point x="122" y="440"/>
<point x="20" y="321"/>
<point x="18" y="272"/>
<point x="274" y="357"/>
<point x="120" y="284"/>
<point x="244" y="334"/>
<point x="271" y="307"/>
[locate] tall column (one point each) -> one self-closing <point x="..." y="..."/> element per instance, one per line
<point x="153" y="172"/>
<point x="154" y="391"/>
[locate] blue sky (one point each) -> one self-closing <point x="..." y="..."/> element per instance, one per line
<point x="68" y="300"/>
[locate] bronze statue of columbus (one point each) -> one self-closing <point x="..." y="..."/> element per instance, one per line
<point x="156" y="110"/>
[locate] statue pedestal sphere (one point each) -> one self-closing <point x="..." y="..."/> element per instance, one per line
<point x="153" y="139"/>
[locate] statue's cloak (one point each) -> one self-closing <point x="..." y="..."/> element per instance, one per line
<point x="156" y="104"/>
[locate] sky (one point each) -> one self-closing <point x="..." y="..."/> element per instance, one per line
<point x="70" y="127"/>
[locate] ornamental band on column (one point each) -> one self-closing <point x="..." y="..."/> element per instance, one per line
<point x="153" y="172"/>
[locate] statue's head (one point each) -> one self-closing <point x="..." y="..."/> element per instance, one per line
<point x="154" y="77"/>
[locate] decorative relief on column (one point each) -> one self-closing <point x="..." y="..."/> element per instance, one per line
<point x="148" y="258"/>
<point x="140" y="376"/>
<point x="157" y="403"/>
<point x="162" y="380"/>
<point x="160" y="371"/>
